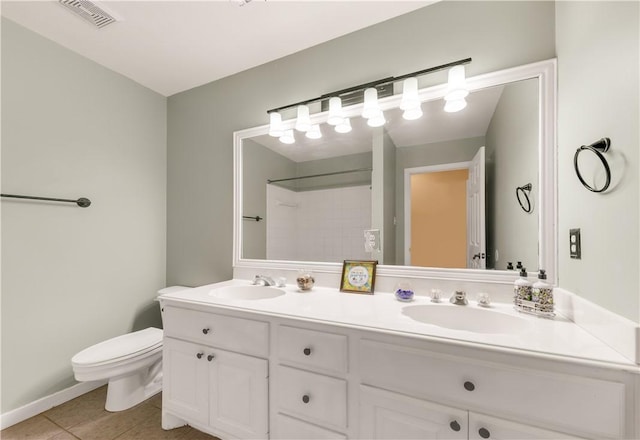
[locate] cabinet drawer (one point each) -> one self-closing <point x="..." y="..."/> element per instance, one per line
<point x="235" y="334"/>
<point x="548" y="399"/>
<point x="294" y="429"/>
<point x="313" y="349"/>
<point x="314" y="397"/>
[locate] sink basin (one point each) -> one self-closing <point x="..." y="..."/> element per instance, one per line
<point x="466" y="318"/>
<point x="246" y="292"/>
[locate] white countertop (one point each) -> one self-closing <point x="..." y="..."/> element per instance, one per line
<point x="557" y="337"/>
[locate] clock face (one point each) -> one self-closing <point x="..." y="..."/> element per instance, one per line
<point x="358" y="276"/>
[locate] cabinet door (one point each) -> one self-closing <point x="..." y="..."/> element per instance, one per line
<point x="238" y="398"/>
<point x="387" y="415"/>
<point x="185" y="380"/>
<point x="486" y="427"/>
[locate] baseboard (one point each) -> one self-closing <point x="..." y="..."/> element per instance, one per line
<point x="29" y="410"/>
<point x="618" y="332"/>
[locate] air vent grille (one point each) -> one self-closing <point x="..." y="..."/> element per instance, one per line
<point x="90" y="12"/>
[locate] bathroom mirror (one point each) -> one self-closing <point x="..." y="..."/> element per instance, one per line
<point x="318" y="202"/>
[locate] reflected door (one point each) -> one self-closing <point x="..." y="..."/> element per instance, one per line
<point x="439" y="219"/>
<point x="476" y="233"/>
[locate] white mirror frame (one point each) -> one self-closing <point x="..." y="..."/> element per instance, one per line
<point x="545" y="72"/>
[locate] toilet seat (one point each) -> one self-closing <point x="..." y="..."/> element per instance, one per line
<point x="120" y="348"/>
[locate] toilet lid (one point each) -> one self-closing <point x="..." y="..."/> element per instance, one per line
<point x="120" y="347"/>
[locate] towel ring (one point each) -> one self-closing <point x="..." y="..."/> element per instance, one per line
<point x="598" y="147"/>
<point x="522" y="189"/>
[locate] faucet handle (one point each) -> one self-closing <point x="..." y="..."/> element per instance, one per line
<point x="459" y="298"/>
<point x="435" y="295"/>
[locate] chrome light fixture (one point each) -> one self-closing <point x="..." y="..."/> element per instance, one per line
<point x="456" y="92"/>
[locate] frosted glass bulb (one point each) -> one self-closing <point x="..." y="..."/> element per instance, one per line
<point x="410" y="98"/>
<point x="376" y="121"/>
<point x="455" y="105"/>
<point x="457" y="84"/>
<point x="303" y="121"/>
<point x="287" y="137"/>
<point x="336" y="115"/>
<point x="412" y="113"/>
<point x="371" y="107"/>
<point x="314" y="132"/>
<point x="344" y="127"/>
<point x="275" y="124"/>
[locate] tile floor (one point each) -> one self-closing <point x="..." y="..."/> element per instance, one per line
<point x="85" y="418"/>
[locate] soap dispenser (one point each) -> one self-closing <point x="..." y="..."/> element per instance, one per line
<point x="542" y="295"/>
<point x="522" y="291"/>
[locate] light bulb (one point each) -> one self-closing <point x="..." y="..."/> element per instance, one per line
<point x="314" y="132"/>
<point x="344" y="126"/>
<point x="371" y="107"/>
<point x="275" y="124"/>
<point x="336" y="115"/>
<point x="455" y="105"/>
<point x="410" y="98"/>
<point x="457" y="84"/>
<point x="376" y="121"/>
<point x="411" y="114"/>
<point x="287" y="137"/>
<point x="303" y="121"/>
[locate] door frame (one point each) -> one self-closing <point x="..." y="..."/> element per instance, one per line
<point x="408" y="172"/>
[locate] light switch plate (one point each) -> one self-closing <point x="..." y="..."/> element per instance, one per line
<point x="575" y="251"/>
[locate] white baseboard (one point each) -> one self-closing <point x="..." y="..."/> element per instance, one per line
<point x="619" y="333"/>
<point x="29" y="410"/>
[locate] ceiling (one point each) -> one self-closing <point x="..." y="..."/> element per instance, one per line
<point x="172" y="46"/>
<point x="435" y="125"/>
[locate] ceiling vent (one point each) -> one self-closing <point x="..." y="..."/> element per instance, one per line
<point x="90" y="12"/>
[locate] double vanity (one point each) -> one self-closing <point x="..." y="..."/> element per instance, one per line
<point x="243" y="361"/>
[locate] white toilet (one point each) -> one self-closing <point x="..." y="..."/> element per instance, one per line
<point x="132" y="363"/>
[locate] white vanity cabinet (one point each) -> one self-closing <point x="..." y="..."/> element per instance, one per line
<point x="309" y="385"/>
<point x="248" y="374"/>
<point x="210" y="387"/>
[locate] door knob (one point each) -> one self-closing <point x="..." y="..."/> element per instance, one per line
<point x="455" y="425"/>
<point x="307" y="351"/>
<point x="469" y="386"/>
<point x="199" y="355"/>
<point x="210" y="357"/>
<point x="206" y="330"/>
<point x="305" y="398"/>
<point x="484" y="433"/>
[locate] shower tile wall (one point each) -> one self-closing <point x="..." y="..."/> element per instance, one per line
<point x="321" y="225"/>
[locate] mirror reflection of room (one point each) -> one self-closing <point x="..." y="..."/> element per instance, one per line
<point x="408" y="181"/>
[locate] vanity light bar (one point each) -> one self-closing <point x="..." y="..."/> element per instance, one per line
<point x="373" y="84"/>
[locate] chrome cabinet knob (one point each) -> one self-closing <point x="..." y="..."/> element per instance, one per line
<point x="210" y="357"/>
<point x="469" y="386"/>
<point x="455" y="426"/>
<point x="307" y="351"/>
<point x="484" y="433"/>
<point x="206" y="330"/>
<point x="199" y="355"/>
<point x="305" y="398"/>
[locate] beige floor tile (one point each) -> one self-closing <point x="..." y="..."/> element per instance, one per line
<point x="80" y="410"/>
<point x="151" y="429"/>
<point x="36" y="428"/>
<point x="110" y="425"/>
<point x="156" y="400"/>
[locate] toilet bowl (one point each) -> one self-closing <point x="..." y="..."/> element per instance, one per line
<point x="132" y="364"/>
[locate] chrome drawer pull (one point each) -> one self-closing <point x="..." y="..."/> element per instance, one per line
<point x="484" y="433"/>
<point x="305" y="398"/>
<point x="307" y="351"/>
<point x="455" y="425"/>
<point x="469" y="386"/>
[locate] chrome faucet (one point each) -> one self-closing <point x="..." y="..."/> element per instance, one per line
<point x="261" y="280"/>
<point x="459" y="298"/>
